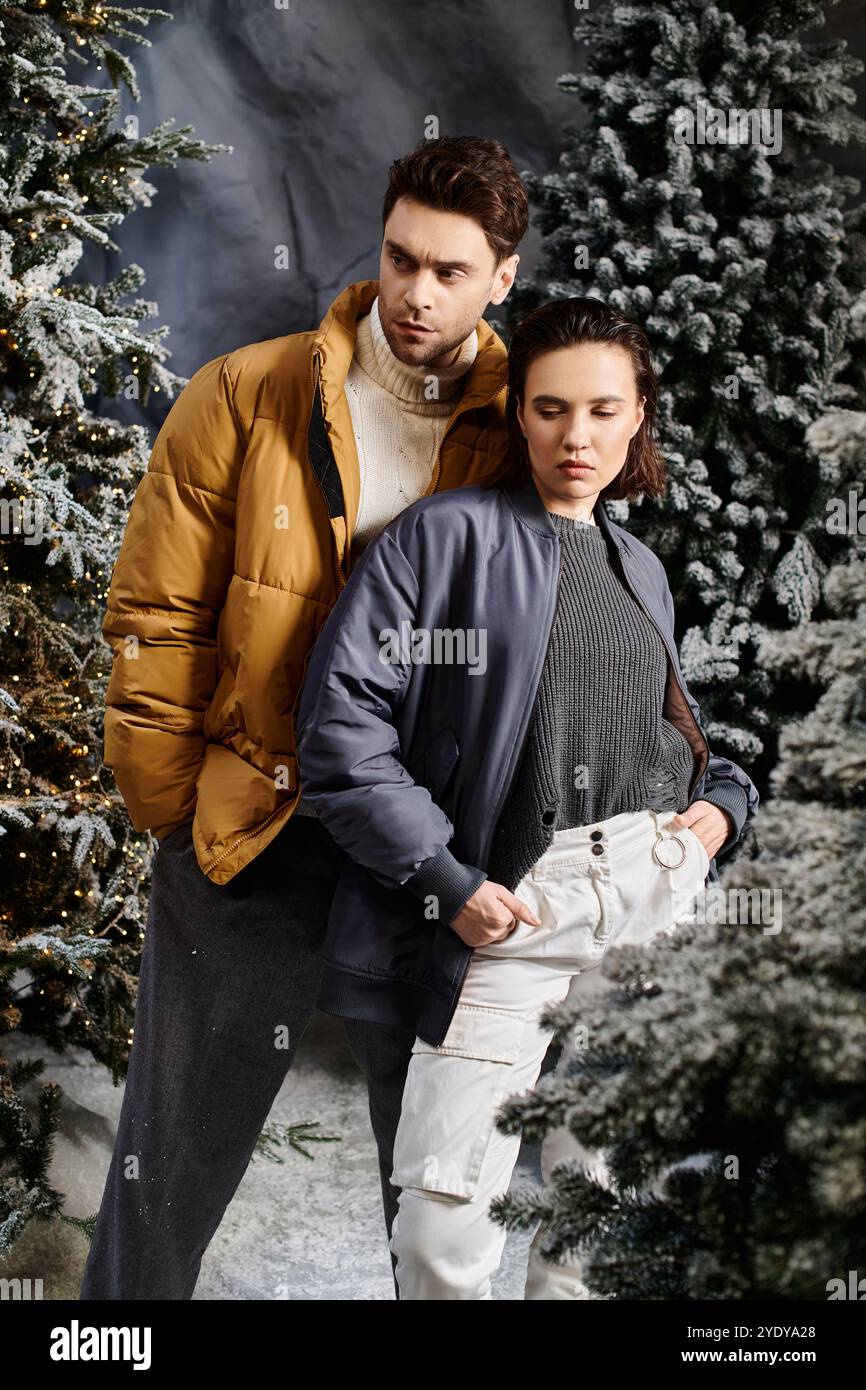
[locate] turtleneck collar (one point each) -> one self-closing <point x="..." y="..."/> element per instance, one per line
<point x="408" y="383"/>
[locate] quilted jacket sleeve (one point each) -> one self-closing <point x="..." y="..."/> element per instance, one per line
<point x="348" y="747"/>
<point x="167" y="589"/>
<point x="725" y="784"/>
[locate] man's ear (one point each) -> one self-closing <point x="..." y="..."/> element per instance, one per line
<point x="505" y="276"/>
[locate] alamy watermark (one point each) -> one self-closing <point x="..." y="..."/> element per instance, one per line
<point x="711" y="125"/>
<point x="438" y="646"/>
<point x="23" y="517"/>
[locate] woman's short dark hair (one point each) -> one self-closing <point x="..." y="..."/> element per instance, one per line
<point x="461" y="173"/>
<point x="564" y="323"/>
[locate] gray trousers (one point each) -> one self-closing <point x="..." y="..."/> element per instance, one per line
<point x="225" y="970"/>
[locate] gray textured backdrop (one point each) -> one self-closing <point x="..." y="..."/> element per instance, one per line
<point x="317" y="100"/>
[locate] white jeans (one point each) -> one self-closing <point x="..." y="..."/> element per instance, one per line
<point x="597" y="885"/>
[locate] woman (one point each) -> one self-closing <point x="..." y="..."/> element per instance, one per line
<point x="496" y="730"/>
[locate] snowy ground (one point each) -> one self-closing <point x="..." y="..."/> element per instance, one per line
<point x="300" y="1229"/>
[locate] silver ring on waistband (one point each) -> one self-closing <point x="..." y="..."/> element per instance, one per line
<point x="671" y="836"/>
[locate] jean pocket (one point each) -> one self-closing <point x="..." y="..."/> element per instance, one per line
<point x="705" y="858"/>
<point x="450" y="1100"/>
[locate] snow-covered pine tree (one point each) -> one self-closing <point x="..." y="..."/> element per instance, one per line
<point x="724" y="1079"/>
<point x="71" y="868"/>
<point x="741" y="264"/>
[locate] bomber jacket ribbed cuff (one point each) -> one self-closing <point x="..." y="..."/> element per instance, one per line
<point x="444" y="877"/>
<point x="730" y="797"/>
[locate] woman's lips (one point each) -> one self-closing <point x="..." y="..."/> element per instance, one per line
<point x="577" y="469"/>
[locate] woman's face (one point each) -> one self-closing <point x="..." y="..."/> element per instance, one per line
<point x="580" y="406"/>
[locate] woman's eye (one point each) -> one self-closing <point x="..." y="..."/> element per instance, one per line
<point x="600" y="414"/>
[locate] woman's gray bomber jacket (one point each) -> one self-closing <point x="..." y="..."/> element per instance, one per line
<point x="416" y="704"/>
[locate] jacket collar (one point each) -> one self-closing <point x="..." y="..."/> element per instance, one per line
<point x="335" y="344"/>
<point x="526" y="501"/>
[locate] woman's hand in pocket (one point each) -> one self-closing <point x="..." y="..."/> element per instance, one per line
<point x="709" y="822"/>
<point x="490" y="914"/>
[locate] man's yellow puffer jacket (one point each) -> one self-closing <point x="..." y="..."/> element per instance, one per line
<point x="236" y="548"/>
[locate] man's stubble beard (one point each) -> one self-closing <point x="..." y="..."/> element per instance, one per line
<point x="425" y="354"/>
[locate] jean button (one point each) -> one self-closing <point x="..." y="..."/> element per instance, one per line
<point x="596" y="835"/>
<point x="598" y="849"/>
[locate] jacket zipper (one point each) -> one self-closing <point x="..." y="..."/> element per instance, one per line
<point x="464" y="966"/>
<point x="317" y="386"/>
<point x="673" y="668"/>
<point x="528" y="730"/>
<point x="249" y="835"/>
<point x="480" y="405"/>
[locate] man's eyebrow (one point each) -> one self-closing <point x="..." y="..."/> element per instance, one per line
<point x="396" y="249"/>
<point x="558" y="400"/>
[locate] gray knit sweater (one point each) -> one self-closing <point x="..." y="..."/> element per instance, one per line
<point x="597" y="743"/>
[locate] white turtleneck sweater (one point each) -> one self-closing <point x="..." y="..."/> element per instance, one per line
<point x="398" y="427"/>
<point x="399" y="415"/>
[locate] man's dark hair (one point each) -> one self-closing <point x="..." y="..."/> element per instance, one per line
<point x="461" y="173"/>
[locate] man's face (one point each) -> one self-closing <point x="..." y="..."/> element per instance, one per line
<point x="437" y="271"/>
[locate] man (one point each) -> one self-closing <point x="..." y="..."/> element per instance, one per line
<point x="274" y="468"/>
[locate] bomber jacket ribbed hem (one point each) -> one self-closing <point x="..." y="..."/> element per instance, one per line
<point x="730" y="797"/>
<point x="385" y="1000"/>
<point x="450" y="882"/>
